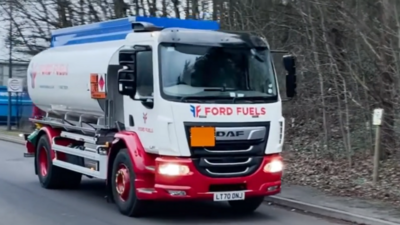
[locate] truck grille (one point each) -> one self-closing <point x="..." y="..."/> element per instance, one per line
<point x="236" y="155"/>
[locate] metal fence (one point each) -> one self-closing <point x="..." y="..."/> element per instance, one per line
<point x="21" y="108"/>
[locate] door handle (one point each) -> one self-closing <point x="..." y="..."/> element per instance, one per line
<point x="131" y="121"/>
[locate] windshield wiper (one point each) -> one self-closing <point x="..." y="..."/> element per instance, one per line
<point x="251" y="99"/>
<point x="255" y="98"/>
<point x="202" y="98"/>
<point x="221" y="89"/>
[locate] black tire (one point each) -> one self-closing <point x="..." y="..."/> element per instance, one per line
<point x="132" y="206"/>
<point x="246" y="206"/>
<point x="55" y="177"/>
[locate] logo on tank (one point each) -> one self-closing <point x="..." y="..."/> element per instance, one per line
<point x="33" y="75"/>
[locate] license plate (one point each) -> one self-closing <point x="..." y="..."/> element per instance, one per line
<point x="229" y="196"/>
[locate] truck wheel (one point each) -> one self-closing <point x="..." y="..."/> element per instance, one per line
<point x="246" y="206"/>
<point x="52" y="177"/>
<point x="123" y="186"/>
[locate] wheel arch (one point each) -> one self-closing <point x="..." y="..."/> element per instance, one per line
<point x="139" y="157"/>
<point x="116" y="146"/>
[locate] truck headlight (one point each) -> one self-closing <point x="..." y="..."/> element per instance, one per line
<point x="274" y="166"/>
<point x="172" y="169"/>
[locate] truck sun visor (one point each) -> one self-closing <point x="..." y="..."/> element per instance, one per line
<point x="118" y="29"/>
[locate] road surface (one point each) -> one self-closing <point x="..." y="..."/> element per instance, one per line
<point x="23" y="201"/>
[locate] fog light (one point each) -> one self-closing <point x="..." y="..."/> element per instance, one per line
<point x="272" y="188"/>
<point x="171" y="169"/>
<point x="177" y="193"/>
<point x="274" y="166"/>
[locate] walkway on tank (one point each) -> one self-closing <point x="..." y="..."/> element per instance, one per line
<point x="23" y="201"/>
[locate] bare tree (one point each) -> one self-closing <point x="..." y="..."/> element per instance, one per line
<point x="348" y="61"/>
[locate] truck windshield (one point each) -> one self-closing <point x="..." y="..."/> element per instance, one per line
<point x="214" y="73"/>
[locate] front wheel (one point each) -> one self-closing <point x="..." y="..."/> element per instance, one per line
<point x="123" y="186"/>
<point x="246" y="206"/>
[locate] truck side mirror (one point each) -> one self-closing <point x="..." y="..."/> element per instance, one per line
<point x="126" y="82"/>
<point x="289" y="62"/>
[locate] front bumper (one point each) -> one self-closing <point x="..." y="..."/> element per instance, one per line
<point x="195" y="185"/>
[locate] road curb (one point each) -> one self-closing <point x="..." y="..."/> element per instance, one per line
<point x="15" y="140"/>
<point x="327" y="212"/>
<point x="280" y="201"/>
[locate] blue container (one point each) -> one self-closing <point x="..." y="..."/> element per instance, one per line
<point x="113" y="30"/>
<point x="21" y="106"/>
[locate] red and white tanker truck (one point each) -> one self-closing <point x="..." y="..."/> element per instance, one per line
<point x="160" y="109"/>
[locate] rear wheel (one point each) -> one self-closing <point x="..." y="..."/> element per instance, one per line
<point x="52" y="177"/>
<point x="246" y="206"/>
<point x="123" y="187"/>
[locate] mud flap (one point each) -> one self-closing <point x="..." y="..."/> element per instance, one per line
<point x="29" y="155"/>
<point x="33" y="137"/>
<point x="31" y="140"/>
